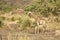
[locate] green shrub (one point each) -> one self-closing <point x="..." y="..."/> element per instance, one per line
<point x="25" y="22"/>
<point x="13" y="19"/>
<point x="1" y="23"/>
<point x="44" y="7"/>
<point x="2" y="18"/>
<point x="19" y="23"/>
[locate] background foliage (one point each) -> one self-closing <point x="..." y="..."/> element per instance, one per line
<point x="44" y="7"/>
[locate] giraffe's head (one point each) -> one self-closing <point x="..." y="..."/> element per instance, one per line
<point x="29" y="14"/>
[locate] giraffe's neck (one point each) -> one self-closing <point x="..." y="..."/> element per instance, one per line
<point x="35" y="18"/>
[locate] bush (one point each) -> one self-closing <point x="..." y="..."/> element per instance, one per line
<point x="1" y="23"/>
<point x="44" y="7"/>
<point x="13" y="19"/>
<point x="2" y="18"/>
<point x="7" y="6"/>
<point x="25" y="22"/>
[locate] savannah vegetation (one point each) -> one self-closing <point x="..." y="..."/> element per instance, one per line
<point x="49" y="9"/>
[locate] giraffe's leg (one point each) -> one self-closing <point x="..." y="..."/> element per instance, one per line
<point x="38" y="30"/>
<point x="44" y="29"/>
<point x="35" y="30"/>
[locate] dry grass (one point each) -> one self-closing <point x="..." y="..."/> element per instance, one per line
<point x="51" y="25"/>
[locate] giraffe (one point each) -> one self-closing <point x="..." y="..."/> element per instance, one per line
<point x="41" y="23"/>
